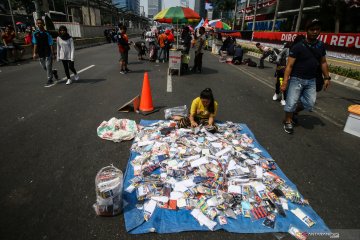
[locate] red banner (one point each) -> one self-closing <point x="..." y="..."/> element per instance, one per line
<point x="342" y="40"/>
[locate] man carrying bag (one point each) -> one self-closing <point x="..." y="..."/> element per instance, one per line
<point x="302" y="70"/>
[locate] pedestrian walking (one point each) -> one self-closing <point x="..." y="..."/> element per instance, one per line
<point x="169" y="43"/>
<point x="199" y="45"/>
<point x="279" y="73"/>
<point x="202" y="112"/>
<point x="124" y="47"/>
<point x="162" y="40"/>
<point x="65" y="53"/>
<point x="150" y="37"/>
<point x="266" y="51"/>
<point x="44" y="49"/>
<point x="305" y="61"/>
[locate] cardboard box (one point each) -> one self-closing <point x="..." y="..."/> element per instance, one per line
<point x="352" y="125"/>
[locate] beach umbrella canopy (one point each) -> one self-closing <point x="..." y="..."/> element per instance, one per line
<point x="220" y="25"/>
<point x="177" y="15"/>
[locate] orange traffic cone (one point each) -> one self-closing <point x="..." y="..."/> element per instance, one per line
<point x="146" y="104"/>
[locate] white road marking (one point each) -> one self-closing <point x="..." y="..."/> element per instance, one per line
<point x="65" y="78"/>
<point x="169" y="82"/>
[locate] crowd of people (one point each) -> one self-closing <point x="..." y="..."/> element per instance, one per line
<point x="301" y="67"/>
<point x="11" y="42"/>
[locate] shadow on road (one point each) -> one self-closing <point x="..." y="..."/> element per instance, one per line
<point x="309" y="121"/>
<point x="92" y="81"/>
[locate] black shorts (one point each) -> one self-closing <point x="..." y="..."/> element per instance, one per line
<point x="124" y="57"/>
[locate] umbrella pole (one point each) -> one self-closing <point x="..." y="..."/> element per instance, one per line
<point x="177" y="34"/>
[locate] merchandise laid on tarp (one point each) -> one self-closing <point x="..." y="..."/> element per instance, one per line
<point x="180" y="111"/>
<point x="108" y="187"/>
<point x="200" y="181"/>
<point x="117" y="130"/>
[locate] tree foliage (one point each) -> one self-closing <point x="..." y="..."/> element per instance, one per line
<point x="223" y="5"/>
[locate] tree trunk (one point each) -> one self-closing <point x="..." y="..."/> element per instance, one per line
<point x="299" y="16"/>
<point x="244" y="14"/>
<point x="337" y="24"/>
<point x="45" y="5"/>
<point x="275" y="15"/>
<point x="254" y="20"/>
<point x="233" y="25"/>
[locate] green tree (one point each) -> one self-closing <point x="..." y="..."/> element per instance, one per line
<point x="223" y="6"/>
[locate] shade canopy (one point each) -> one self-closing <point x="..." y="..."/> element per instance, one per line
<point x="177" y="15"/>
<point x="220" y="25"/>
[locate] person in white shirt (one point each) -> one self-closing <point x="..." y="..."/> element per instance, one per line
<point x="266" y="51"/>
<point x="65" y="53"/>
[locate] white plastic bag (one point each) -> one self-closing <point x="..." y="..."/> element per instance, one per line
<point x="117" y="130"/>
<point x="176" y="111"/>
<point x="108" y="186"/>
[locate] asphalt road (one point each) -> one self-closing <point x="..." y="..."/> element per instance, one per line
<point x="50" y="152"/>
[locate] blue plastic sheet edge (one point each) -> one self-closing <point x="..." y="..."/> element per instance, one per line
<point x="171" y="221"/>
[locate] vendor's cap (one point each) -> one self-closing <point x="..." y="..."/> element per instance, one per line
<point x="312" y="22"/>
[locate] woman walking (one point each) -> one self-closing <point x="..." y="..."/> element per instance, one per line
<point x="65" y="53"/>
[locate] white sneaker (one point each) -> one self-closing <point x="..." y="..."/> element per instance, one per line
<point x="76" y="77"/>
<point x="283" y="102"/>
<point x="275" y="97"/>
<point x="68" y="82"/>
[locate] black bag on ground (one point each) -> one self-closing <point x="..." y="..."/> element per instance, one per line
<point x="251" y="63"/>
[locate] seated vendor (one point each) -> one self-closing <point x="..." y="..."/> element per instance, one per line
<point x="203" y="111"/>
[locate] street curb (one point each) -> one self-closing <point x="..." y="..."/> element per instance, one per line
<point x="345" y="81"/>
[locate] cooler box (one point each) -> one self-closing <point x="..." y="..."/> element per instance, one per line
<point x="352" y="125"/>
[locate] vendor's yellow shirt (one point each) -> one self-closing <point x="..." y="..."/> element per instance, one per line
<point x="198" y="110"/>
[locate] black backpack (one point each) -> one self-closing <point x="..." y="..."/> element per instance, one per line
<point x="250" y="62"/>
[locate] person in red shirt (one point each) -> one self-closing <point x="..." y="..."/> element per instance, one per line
<point x="162" y="39"/>
<point x="28" y="37"/>
<point x="124" y="47"/>
<point x="169" y="43"/>
<point x="8" y="39"/>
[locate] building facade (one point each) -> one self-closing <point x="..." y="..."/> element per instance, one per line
<point x="130" y="5"/>
<point x="200" y="8"/>
<point x="154" y="6"/>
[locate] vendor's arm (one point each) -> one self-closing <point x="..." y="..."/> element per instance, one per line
<point x="192" y="120"/>
<point x="212" y="115"/>
<point x="193" y="110"/>
<point x="211" y="120"/>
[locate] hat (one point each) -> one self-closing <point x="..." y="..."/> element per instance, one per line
<point x="312" y="22"/>
<point x="167" y="31"/>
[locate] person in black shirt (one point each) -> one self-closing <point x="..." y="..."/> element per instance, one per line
<point x="43" y="48"/>
<point x="305" y="58"/>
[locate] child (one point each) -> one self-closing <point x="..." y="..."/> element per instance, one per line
<point x="124" y="47"/>
<point x="203" y="111"/>
<point x="141" y="49"/>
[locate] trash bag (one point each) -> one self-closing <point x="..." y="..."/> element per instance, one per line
<point x="108" y="187"/>
<point x="176" y="111"/>
<point x="117" y="130"/>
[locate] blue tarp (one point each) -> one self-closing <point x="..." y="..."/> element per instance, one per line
<point x="170" y="221"/>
